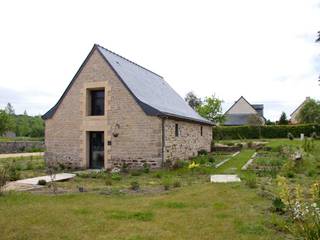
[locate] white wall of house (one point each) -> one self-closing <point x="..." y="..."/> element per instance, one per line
<point x="242" y="107"/>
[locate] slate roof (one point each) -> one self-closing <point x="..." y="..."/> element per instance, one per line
<point x="236" y="119"/>
<point x="150" y="90"/>
<point x="258" y="108"/>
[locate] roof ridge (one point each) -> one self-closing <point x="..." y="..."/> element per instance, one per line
<point x="127" y="60"/>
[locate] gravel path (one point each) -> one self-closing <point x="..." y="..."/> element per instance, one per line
<point x="14" y="155"/>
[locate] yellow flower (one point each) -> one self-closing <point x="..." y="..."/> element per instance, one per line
<point x="193" y="165"/>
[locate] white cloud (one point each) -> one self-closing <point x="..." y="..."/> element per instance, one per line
<point x="261" y="49"/>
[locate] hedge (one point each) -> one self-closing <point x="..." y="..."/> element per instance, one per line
<point x="267" y="131"/>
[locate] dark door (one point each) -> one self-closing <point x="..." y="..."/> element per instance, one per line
<point x="96" y="150"/>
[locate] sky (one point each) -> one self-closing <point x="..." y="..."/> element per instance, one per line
<point x="263" y="50"/>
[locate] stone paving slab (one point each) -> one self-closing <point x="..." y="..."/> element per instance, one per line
<point x="15" y="155"/>
<point x="245" y="167"/>
<point x="14" y="186"/>
<point x="224" y="178"/>
<point x="58" y="177"/>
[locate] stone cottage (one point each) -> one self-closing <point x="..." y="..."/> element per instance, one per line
<point x="115" y="111"/>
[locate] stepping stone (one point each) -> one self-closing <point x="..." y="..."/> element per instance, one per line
<point x="224" y="178"/>
<point x="58" y="177"/>
<point x="245" y="167"/>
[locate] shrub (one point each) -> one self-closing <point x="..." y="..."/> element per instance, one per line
<point x="290" y="136"/>
<point x="178" y="164"/>
<point x="3" y="178"/>
<point x="278" y="205"/>
<point x="267" y="131"/>
<point x="134" y="186"/>
<point x="13" y="173"/>
<point x="211" y="159"/>
<point x="176" y="184"/>
<point x="250" y="144"/>
<point x="42" y="182"/>
<point x="250" y="180"/>
<point x="202" y="152"/>
<point x="116" y="176"/>
<point x="124" y="168"/>
<point x="146" y="168"/>
<point x="157" y="175"/>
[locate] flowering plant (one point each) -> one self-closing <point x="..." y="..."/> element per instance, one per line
<point x="193" y="165"/>
<point x="305" y="213"/>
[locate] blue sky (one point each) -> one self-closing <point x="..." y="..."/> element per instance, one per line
<point x="261" y="49"/>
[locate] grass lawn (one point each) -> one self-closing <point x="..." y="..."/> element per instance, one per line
<point x="200" y="211"/>
<point x="194" y="209"/>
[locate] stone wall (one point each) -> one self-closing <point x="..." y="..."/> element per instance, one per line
<point x="189" y="141"/>
<point x="21" y="146"/>
<point x="66" y="133"/>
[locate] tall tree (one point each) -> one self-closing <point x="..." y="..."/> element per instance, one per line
<point x="193" y="100"/>
<point x="211" y="109"/>
<point x="9" y="109"/>
<point x="310" y="112"/>
<point x="283" y="119"/>
<point x="6" y="122"/>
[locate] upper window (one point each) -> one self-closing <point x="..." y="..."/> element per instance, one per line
<point x="97" y="102"/>
<point x="201" y="130"/>
<point x="177" y="130"/>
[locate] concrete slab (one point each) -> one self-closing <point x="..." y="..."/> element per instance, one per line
<point x="245" y="167"/>
<point x="58" y="177"/>
<point x="16" y="155"/>
<point x="224" y="178"/>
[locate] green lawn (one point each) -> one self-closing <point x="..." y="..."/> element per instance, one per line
<point x="203" y="211"/>
<point x="195" y="210"/>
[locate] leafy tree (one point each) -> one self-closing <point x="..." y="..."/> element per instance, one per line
<point x="283" y="119"/>
<point x="255" y="120"/>
<point x="193" y="100"/>
<point x="310" y="112"/>
<point x="9" y="109"/>
<point x="6" y="122"/>
<point x="211" y="109"/>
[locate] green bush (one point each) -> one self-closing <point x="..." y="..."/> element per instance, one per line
<point x="278" y="205"/>
<point x="176" y="184"/>
<point x="116" y="176"/>
<point x="134" y="186"/>
<point x="267" y="131"/>
<point x="146" y="168"/>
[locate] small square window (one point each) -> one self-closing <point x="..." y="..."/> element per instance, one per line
<point x="201" y="130"/>
<point x="177" y="130"/>
<point x="97" y="102"/>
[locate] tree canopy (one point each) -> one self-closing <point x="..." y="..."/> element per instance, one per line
<point x="283" y="119"/>
<point x="193" y="100"/>
<point x="310" y="112"/>
<point x="22" y="125"/>
<point x="211" y="109"/>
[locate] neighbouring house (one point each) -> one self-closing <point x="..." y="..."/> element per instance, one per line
<point x="244" y="113"/>
<point x="9" y="134"/>
<point x="117" y="112"/>
<point x="294" y="119"/>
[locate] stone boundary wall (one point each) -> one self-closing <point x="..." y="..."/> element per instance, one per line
<point x="21" y="146"/>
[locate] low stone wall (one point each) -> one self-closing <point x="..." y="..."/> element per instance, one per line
<point x="21" y="146"/>
<point x="225" y="149"/>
